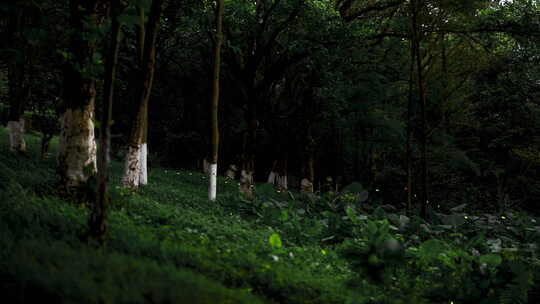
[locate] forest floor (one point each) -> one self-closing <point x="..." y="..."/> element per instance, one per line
<point x="168" y="244"/>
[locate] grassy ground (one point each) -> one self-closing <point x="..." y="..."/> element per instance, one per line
<point x="168" y="244"/>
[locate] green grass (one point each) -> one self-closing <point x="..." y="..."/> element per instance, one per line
<point x="166" y="241"/>
<point x="168" y="244"/>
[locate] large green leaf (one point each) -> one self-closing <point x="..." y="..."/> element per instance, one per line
<point x="275" y="241"/>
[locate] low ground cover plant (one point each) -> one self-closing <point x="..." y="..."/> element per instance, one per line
<point x="169" y="244"/>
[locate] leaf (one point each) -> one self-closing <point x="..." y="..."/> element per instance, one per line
<point x="275" y="241"/>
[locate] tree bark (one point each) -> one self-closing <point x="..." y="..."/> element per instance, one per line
<point x="98" y="218"/>
<point x="143" y="152"/>
<point x="231" y="172"/>
<point x="246" y="180"/>
<point x="278" y="175"/>
<point x="214" y="102"/>
<point x="77" y="146"/>
<point x="132" y="170"/>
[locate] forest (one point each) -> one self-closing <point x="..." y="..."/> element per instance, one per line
<point x="270" y="151"/>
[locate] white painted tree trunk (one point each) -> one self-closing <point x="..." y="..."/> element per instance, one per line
<point x="271" y="178"/>
<point x="246" y="184"/>
<point x="212" y="187"/>
<point x="16" y="136"/>
<point x="231" y="172"/>
<point x="132" y="168"/>
<point x="281" y="182"/>
<point x="306" y="186"/>
<point x="143" y="172"/>
<point x="77" y="146"/>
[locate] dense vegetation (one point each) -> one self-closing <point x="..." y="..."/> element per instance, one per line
<point x="169" y="244"/>
<point x="379" y="151"/>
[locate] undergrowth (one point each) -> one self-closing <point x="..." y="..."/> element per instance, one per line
<point x="168" y="244"/>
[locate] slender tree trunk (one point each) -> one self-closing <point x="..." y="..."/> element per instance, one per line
<point x="308" y="178"/>
<point x="445" y="91"/>
<point x="18" y="86"/>
<point x="143" y="157"/>
<point x="272" y="175"/>
<point x="409" y="164"/>
<point x="247" y="169"/>
<point x="98" y="218"/>
<point x="131" y="178"/>
<point x="278" y="175"/>
<point x="77" y="146"/>
<point x="216" y="62"/>
<point x="246" y="179"/>
<point x="417" y="32"/>
<point x="281" y="177"/>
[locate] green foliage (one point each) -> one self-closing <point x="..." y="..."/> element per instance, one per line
<point x="275" y="241"/>
<point x="271" y="249"/>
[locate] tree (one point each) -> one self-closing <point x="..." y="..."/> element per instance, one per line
<point x="216" y="61"/>
<point x="20" y="70"/>
<point x="77" y="146"/>
<point x="133" y="161"/>
<point x="258" y="61"/>
<point x="98" y="218"/>
<point x="428" y="23"/>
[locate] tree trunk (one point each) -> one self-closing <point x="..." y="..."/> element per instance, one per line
<point x="246" y="181"/>
<point x="216" y="62"/>
<point x="17" y="144"/>
<point x="247" y="169"/>
<point x="278" y="175"/>
<point x="45" y="144"/>
<point x="143" y="152"/>
<point x="143" y="172"/>
<point x="98" y="218"/>
<point x="77" y="146"/>
<point x="416" y="38"/>
<point x="272" y="175"/>
<point x="408" y="147"/>
<point x="231" y="172"/>
<point x="306" y="185"/>
<point x="18" y="85"/>
<point x="143" y="159"/>
<point x="132" y="170"/>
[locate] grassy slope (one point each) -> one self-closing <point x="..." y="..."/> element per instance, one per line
<point x="167" y="243"/>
